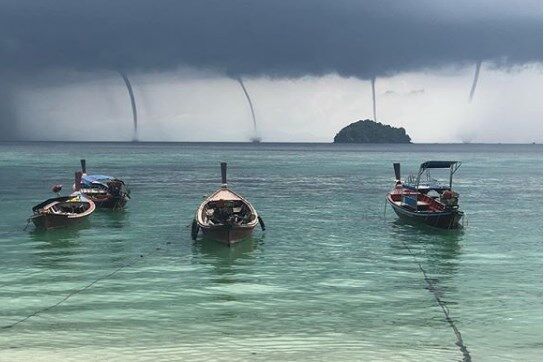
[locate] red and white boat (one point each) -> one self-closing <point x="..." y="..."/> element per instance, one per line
<point x="423" y="199"/>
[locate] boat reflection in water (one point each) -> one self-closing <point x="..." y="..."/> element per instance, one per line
<point x="225" y="258"/>
<point x="228" y="274"/>
<point x="436" y="250"/>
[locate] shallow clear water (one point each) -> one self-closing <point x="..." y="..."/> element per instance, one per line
<point x="329" y="279"/>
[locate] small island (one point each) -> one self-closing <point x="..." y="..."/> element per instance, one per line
<point x="368" y="131"/>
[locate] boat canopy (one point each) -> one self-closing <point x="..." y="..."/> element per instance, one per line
<point x="452" y="165"/>
<point x="438" y="164"/>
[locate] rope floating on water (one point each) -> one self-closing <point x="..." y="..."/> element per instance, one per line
<point x="445" y="310"/>
<point x="77" y="291"/>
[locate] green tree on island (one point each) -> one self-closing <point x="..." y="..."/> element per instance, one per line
<point x="368" y="131"/>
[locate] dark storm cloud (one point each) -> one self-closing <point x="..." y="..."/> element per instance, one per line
<point x="278" y="38"/>
<point x="271" y="38"/>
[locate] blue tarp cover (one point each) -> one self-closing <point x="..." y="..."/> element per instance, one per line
<point x="89" y="180"/>
<point x="93" y="178"/>
<point x="410" y="201"/>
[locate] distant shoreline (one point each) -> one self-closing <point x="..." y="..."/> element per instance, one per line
<point x="272" y="143"/>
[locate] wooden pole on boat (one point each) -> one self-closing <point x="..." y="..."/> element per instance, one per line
<point x="77" y="181"/>
<point x="224" y="173"/>
<point x="83" y="166"/>
<point x="396" y="166"/>
<point x="451" y="175"/>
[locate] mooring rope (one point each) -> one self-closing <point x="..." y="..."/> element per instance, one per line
<point x="77" y="291"/>
<point x="445" y="310"/>
<point x="27" y="223"/>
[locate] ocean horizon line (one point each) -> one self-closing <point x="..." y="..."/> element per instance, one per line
<point x="269" y="142"/>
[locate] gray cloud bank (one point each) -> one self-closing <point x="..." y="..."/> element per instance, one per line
<point x="264" y="38"/>
<point x="275" y="38"/>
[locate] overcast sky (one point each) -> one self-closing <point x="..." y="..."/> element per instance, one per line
<point x="306" y="64"/>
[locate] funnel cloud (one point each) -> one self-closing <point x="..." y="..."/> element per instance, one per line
<point x="133" y="104"/>
<point x="475" y="81"/>
<point x="255" y="136"/>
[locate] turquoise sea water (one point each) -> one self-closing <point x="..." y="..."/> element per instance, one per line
<point x="330" y="279"/>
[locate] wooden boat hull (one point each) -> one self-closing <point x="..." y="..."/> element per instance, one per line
<point x="225" y="216"/>
<point x="108" y="202"/>
<point x="444" y="220"/>
<point x="227" y="235"/>
<point x="105" y="191"/>
<point x="53" y="221"/>
<point x="62" y="211"/>
<point x="225" y="232"/>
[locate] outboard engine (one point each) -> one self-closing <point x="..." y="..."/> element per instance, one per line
<point x="115" y="188"/>
<point x="450" y="199"/>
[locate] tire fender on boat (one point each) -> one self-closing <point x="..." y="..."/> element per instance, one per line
<point x="261" y="222"/>
<point x="194" y="229"/>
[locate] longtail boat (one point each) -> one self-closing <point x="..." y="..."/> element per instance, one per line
<point x="225" y="216"/>
<point x="105" y="191"/>
<point x="64" y="210"/>
<point x="424" y="199"/>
